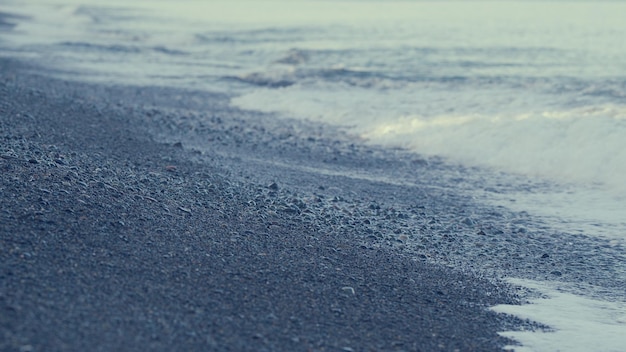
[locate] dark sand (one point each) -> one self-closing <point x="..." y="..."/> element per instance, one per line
<point x="136" y="219"/>
<point x="113" y="240"/>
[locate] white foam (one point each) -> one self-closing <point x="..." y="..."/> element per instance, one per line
<point x="580" y="324"/>
<point x="582" y="144"/>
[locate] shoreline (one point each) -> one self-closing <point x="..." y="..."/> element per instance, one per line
<point x="112" y="240"/>
<point x="164" y="218"/>
<point x="153" y="217"/>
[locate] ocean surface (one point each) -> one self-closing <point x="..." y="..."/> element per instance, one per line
<point x="530" y="95"/>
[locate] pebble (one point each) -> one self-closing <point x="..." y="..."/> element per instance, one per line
<point x="348" y="289"/>
<point x="469" y="222"/>
<point x="186" y="210"/>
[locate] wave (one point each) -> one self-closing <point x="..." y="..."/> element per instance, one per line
<point x="397" y="67"/>
<point x="518" y="129"/>
<point x="578" y="145"/>
<point x="294" y="57"/>
<point x="101" y="14"/>
<point x="255" y="36"/>
<point x="262" y="80"/>
<point x="119" y="48"/>
<point x="113" y="48"/>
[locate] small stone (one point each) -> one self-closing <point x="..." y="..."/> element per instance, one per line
<point x="348" y="289"/>
<point x="33" y="161"/>
<point x="170" y="168"/>
<point x="273" y="186"/>
<point x="556" y="273"/>
<point x="469" y="222"/>
<point x="545" y="255"/>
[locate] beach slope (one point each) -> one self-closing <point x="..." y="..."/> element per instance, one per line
<point x="114" y="239"/>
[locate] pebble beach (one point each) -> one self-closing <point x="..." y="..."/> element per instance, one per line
<point x="112" y="240"/>
<point x="147" y="217"/>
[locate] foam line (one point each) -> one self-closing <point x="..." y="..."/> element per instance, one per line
<point x="580" y="323"/>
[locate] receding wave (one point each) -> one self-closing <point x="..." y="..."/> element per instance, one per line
<point x="119" y="48"/>
<point x="101" y="14"/>
<point x="168" y="51"/>
<point x="265" y="35"/>
<point x="115" y="48"/>
<point x="294" y="57"/>
<point x="262" y="80"/>
<point x="568" y="145"/>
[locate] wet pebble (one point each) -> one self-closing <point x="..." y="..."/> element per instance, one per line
<point x="469" y="222"/>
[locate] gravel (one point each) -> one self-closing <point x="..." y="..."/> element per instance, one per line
<point x="148" y="218"/>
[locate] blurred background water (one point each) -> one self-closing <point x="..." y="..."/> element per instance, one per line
<point x="530" y="91"/>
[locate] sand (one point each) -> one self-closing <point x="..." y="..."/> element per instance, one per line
<point x="155" y="218"/>
<point x="117" y="234"/>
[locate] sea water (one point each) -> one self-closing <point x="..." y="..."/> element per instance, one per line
<point x="532" y="93"/>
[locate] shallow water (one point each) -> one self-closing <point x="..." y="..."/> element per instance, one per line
<point x="531" y="96"/>
<point x="576" y="323"/>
